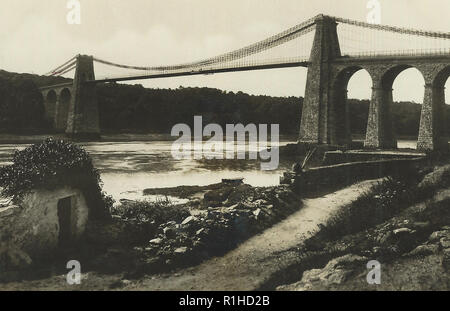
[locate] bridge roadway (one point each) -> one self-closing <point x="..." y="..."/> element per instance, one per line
<point x="204" y="71"/>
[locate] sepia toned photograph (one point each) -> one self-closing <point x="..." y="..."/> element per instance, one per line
<point x="270" y="147"/>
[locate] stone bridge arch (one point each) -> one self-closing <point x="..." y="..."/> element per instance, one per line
<point x="340" y="110"/>
<point x="57" y="101"/>
<point x="380" y="126"/>
<point x="50" y="100"/>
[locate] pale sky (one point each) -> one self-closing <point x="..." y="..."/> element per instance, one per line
<point x="35" y="36"/>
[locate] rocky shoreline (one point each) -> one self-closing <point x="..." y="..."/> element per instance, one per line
<point x="215" y="220"/>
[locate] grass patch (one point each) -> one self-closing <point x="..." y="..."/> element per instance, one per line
<point x="375" y="206"/>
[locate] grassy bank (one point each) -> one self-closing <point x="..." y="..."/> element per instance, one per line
<point x="400" y="223"/>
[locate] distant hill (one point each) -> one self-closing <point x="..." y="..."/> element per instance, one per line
<point x="137" y="109"/>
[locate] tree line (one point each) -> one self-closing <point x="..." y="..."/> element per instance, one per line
<point x="133" y="108"/>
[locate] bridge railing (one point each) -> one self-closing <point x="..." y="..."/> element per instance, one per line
<point x="411" y="52"/>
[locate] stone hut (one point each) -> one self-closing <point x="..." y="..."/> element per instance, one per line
<point x="44" y="221"/>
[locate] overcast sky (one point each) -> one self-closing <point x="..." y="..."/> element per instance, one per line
<point x="35" y="36"/>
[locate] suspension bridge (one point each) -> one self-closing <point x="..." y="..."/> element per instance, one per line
<point x="332" y="49"/>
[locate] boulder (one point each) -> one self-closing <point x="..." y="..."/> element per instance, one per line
<point x="439" y="178"/>
<point x="189" y="220"/>
<point x="438" y="235"/>
<point x="335" y="272"/>
<point x="446" y="259"/>
<point x="156" y="241"/>
<point x="181" y="250"/>
<point x="424" y="250"/>
<point x="403" y="231"/>
<point x="445" y="242"/>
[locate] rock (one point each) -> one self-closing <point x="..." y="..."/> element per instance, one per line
<point x="260" y="203"/>
<point x="169" y="232"/>
<point x="257" y="212"/>
<point x="439" y="178"/>
<point x="156" y="241"/>
<point x="445" y="242"/>
<point x="446" y="259"/>
<point x="402" y="231"/>
<point x="181" y="250"/>
<point x="438" y="235"/>
<point x="188" y="220"/>
<point x="9" y="210"/>
<point x="335" y="272"/>
<point x="384" y="237"/>
<point x="424" y="250"/>
<point x="125" y="282"/>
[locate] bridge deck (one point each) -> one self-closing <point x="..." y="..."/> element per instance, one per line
<point x="204" y="72"/>
<point x="56" y="86"/>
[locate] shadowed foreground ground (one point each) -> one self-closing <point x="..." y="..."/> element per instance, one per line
<point x="247" y="267"/>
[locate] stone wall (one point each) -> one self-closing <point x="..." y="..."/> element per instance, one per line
<point x="340" y="157"/>
<point x="320" y="178"/>
<point x="33" y="226"/>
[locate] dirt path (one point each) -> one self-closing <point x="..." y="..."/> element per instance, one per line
<point x="253" y="262"/>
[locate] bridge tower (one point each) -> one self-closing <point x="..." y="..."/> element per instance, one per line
<point x="83" y="120"/>
<point x="319" y="115"/>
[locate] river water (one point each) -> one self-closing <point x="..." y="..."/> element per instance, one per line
<point x="127" y="168"/>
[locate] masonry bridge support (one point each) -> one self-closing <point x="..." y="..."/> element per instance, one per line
<point x="72" y="107"/>
<point x="326" y="117"/>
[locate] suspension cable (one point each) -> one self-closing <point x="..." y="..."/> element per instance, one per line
<point x="410" y="31"/>
<point x="52" y="72"/>
<point x="271" y="42"/>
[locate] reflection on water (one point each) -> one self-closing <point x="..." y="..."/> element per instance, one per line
<point x="127" y="168"/>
